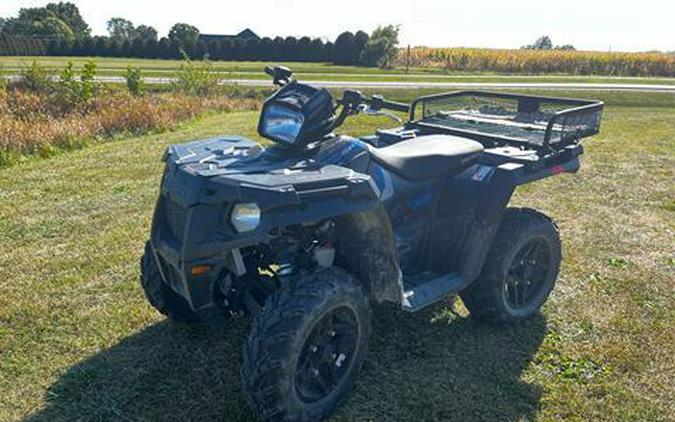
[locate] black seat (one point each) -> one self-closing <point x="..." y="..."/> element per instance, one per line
<point x="428" y="156"/>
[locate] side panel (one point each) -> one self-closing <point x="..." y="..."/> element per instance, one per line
<point x="469" y="212"/>
<point x="410" y="208"/>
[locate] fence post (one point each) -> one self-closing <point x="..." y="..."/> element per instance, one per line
<point x="407" y="60"/>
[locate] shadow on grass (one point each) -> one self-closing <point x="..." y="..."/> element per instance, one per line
<point x="424" y="366"/>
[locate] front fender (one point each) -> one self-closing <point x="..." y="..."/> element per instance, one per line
<point x="366" y="241"/>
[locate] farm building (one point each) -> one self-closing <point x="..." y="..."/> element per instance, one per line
<point x="244" y="35"/>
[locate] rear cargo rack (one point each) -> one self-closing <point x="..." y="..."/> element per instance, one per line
<point x="498" y="118"/>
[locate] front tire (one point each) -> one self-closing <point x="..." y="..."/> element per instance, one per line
<point x="160" y="296"/>
<point x="306" y="347"/>
<point x="520" y="270"/>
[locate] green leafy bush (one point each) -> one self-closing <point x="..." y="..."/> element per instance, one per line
<point x="36" y="78"/>
<point x="68" y="86"/>
<point x="196" y="78"/>
<point x="73" y="91"/>
<point x="87" y="85"/>
<point x="134" y="79"/>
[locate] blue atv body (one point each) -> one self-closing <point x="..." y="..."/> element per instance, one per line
<point x="408" y="215"/>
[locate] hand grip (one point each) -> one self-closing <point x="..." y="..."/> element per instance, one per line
<point x="392" y="105"/>
<point x="378" y="102"/>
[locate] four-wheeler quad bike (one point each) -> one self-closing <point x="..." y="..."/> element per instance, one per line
<point x="306" y="234"/>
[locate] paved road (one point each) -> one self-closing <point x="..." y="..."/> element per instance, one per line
<point x="454" y="77"/>
<point x="478" y="85"/>
<point x="426" y="85"/>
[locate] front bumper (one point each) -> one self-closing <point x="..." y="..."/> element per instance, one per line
<point x="191" y="224"/>
<point x="177" y="252"/>
<point x="197" y="290"/>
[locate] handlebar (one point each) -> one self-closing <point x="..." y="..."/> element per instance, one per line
<point x="377" y="102"/>
<point x="354" y="102"/>
<point x="353" y="99"/>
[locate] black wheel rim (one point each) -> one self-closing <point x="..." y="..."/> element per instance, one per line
<point x="528" y="274"/>
<point x="326" y="355"/>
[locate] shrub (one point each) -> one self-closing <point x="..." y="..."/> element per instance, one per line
<point x="72" y="91"/>
<point x="36" y="78"/>
<point x="87" y="86"/>
<point x="68" y="86"/>
<point x="134" y="79"/>
<point x="196" y="78"/>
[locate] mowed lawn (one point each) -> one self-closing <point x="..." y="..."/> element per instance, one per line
<point x="108" y="66"/>
<point x="79" y="342"/>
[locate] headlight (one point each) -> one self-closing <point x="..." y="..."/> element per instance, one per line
<point x="282" y="124"/>
<point x="245" y="217"/>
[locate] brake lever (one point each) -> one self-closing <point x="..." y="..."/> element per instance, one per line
<point x="366" y="109"/>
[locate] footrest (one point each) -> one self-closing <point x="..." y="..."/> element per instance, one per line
<point x="428" y="292"/>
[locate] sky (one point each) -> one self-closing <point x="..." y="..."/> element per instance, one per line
<point x="589" y="25"/>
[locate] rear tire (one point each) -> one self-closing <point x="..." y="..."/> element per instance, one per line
<point x="160" y="296"/>
<point x="520" y="270"/>
<point x="306" y="348"/>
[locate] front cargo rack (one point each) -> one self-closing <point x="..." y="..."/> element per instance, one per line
<point x="497" y="118"/>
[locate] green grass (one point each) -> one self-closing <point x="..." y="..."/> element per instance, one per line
<point x="312" y="71"/>
<point x="122" y="63"/>
<point x="79" y="342"/>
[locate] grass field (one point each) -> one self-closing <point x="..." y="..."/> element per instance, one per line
<point x="313" y="71"/>
<point x="79" y="342"/>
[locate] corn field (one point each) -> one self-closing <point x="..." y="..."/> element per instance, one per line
<point x="539" y="61"/>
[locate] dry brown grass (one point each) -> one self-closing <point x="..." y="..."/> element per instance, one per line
<point x="39" y="124"/>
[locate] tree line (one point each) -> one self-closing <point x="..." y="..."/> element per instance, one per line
<point x="58" y="29"/>
<point x="303" y="49"/>
<point x="12" y="45"/>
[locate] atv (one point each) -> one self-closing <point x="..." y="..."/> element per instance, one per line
<point x="307" y="234"/>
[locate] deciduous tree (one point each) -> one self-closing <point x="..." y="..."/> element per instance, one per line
<point x="145" y="32"/>
<point x="382" y="47"/>
<point x="184" y="35"/>
<point x="121" y="29"/>
<point x="70" y="14"/>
